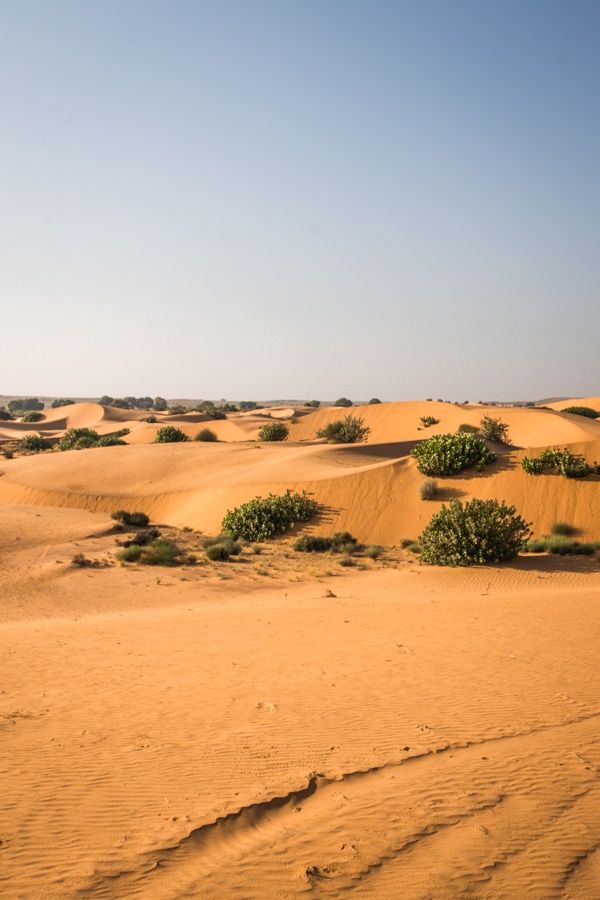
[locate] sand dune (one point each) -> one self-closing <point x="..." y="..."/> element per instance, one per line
<point x="280" y="726"/>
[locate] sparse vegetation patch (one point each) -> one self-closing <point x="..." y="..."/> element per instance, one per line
<point x="261" y="519"/>
<point x="449" y="454"/>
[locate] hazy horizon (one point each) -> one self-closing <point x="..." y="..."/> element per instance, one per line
<point x="303" y="199"/>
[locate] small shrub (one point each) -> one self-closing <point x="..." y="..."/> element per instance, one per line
<point x="137" y="519"/>
<point x="414" y="548"/>
<point x="374" y="551"/>
<point x="121" y="432"/>
<point x="533" y="465"/>
<point x="109" y="440"/>
<point x="143" y="537"/>
<point x="32" y="416"/>
<point x="494" y="430"/>
<point x="312" y="543"/>
<point x="481" y="531"/>
<point x="351" y="430"/>
<point x="536" y="546"/>
<point x="261" y="519"/>
<point x="276" y="431"/>
<point x="465" y="428"/>
<point x="562" y="528"/>
<point x="78" y="439"/>
<point x="449" y="454"/>
<point x="81" y="561"/>
<point x="5" y="416"/>
<point x="218" y="552"/>
<point x="586" y="411"/>
<point x="257" y="549"/>
<point x="8" y="454"/>
<point x="34" y="442"/>
<point x="347" y="561"/>
<point x="130" y="554"/>
<point x="170" y="435"/>
<point x="161" y="552"/>
<point x="406" y="542"/>
<point x="428" y="489"/>
<point x="374" y="400"/>
<point x="148" y="419"/>
<point x="426" y="421"/>
<point x="568" y="465"/>
<point x="213" y="411"/>
<point x="206" y="435"/>
<point x="343" y="401"/>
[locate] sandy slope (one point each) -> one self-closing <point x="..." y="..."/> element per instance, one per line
<point x="423" y="733"/>
<point x="273" y="731"/>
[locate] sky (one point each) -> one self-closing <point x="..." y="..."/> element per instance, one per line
<point x="259" y="199"/>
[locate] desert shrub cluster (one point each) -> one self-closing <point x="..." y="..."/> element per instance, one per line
<point x="261" y="519"/>
<point x="586" y="411"/>
<point x="159" y="552"/>
<point x="480" y="531"/>
<point x="32" y="415"/>
<point x="221" y="548"/>
<point x="494" y="430"/>
<point x="206" y="436"/>
<point x="170" y="435"/>
<point x="21" y="406"/>
<point x="34" y="442"/>
<point x="427" y="421"/>
<point x="562" y="461"/>
<point x="343" y="401"/>
<point x="5" y="416"/>
<point x="137" y="519"/>
<point x="350" y="430"/>
<point x="559" y="544"/>
<point x="275" y="431"/>
<point x="449" y="454"/>
<point x="84" y="438"/>
<point x="339" y="542"/>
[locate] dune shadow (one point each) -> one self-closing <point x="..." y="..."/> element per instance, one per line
<point x="552" y="563"/>
<point x="449" y="493"/>
<point x="392" y="450"/>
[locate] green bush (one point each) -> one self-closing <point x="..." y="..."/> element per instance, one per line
<point x="221" y="548"/>
<point x="261" y="519"/>
<point x="428" y="489"/>
<point x="8" y="454"/>
<point x="170" y="435"/>
<point x="312" y="543"/>
<point x="582" y="411"/>
<point x="563" y="460"/>
<point x="108" y="440"/>
<point x="218" y="552"/>
<point x="343" y="401"/>
<point x="560" y="544"/>
<point x="161" y="552"/>
<point x="130" y="554"/>
<point x="32" y="416"/>
<point x="5" y="416"/>
<point x="374" y="400"/>
<point x="34" y="442"/>
<point x="449" y="454"/>
<point x="426" y="421"/>
<point x="374" y="551"/>
<point x="78" y="439"/>
<point x="206" y="435"/>
<point x="351" y="430"/>
<point x="481" y="531"/>
<point x="62" y="401"/>
<point x="494" y="430"/>
<point x="276" y="431"/>
<point x="148" y="419"/>
<point x="137" y="519"/>
<point x="413" y="548"/>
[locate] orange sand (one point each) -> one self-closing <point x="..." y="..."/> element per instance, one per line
<point x="407" y="732"/>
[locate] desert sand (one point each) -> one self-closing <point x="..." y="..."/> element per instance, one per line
<point x="279" y="726"/>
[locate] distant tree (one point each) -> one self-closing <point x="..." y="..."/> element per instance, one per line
<point x="247" y="404"/>
<point x="25" y="404"/>
<point x="374" y="400"/>
<point x="343" y="401"/>
<point x="105" y="400"/>
<point x="119" y="403"/>
<point x="276" y="431"/>
<point x="62" y="402"/>
<point x="160" y="404"/>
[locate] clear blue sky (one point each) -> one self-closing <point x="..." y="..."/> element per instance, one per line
<point x="280" y="198"/>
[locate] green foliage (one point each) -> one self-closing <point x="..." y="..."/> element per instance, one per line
<point x="351" y="430"/>
<point x="246" y="405"/>
<point x="5" y="416"/>
<point x="465" y="428"/>
<point x="62" y="401"/>
<point x="563" y="461"/>
<point x="130" y="554"/>
<point x="494" y="430"/>
<point x="343" y="401"/>
<point x="19" y="406"/>
<point x="170" y="435"/>
<point x="374" y="400"/>
<point x="148" y="419"/>
<point x="261" y="519"/>
<point x="213" y="411"/>
<point x="159" y="552"/>
<point x="221" y="548"/>
<point x="78" y="439"/>
<point x="312" y="543"/>
<point x="582" y="411"/>
<point x="34" y="442"/>
<point x="449" y="454"/>
<point x="481" y="531"/>
<point x="8" y="454"/>
<point x="32" y="416"/>
<point x="160" y="404"/>
<point x="413" y="548"/>
<point x="276" y="431"/>
<point x="426" y="421"/>
<point x="137" y="519"/>
<point x="374" y="551"/>
<point x="315" y="404"/>
<point x="206" y="435"/>
<point x="428" y="489"/>
<point x="108" y="440"/>
<point x="559" y="544"/>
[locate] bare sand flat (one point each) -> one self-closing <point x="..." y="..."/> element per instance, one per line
<point x="280" y="727"/>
